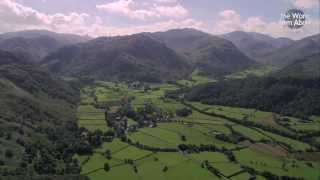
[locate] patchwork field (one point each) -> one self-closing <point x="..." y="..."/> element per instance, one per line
<point x="253" y="146"/>
<point x="149" y="165"/>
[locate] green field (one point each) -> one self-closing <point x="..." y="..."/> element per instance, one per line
<point x="250" y="133"/>
<point x="234" y="112"/>
<point x="91" y="118"/>
<point x="263" y="162"/>
<point x="296" y="145"/>
<point x="149" y="164"/>
<point x="169" y="135"/>
<point x="195" y="129"/>
<point x="255" y="71"/>
<point x="196" y="79"/>
<point x="267" y="119"/>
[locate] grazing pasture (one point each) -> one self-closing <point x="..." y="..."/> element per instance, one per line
<point x="240" y="145"/>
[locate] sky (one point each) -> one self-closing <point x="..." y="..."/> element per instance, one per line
<point x="122" y="17"/>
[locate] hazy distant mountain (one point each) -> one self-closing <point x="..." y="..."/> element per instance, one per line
<point x="308" y="67"/>
<point x="31" y="49"/>
<point x="208" y="53"/>
<point x="34" y="45"/>
<point x="297" y="50"/>
<point x="62" y="37"/>
<point x="135" y="57"/>
<point x="256" y="45"/>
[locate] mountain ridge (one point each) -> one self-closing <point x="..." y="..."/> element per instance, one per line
<point x="256" y="45"/>
<point x="206" y="51"/>
<point x="34" y="45"/>
<point x="123" y="57"/>
<point x="295" y="51"/>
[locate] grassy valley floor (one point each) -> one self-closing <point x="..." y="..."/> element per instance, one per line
<point x="258" y="152"/>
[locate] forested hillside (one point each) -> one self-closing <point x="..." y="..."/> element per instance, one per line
<point x="36" y="114"/>
<point x="288" y="96"/>
<point x="304" y="68"/>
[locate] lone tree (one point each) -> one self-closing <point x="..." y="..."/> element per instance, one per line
<point x="165" y="169"/>
<point x="135" y="169"/>
<point x="106" y="167"/>
<point x="183" y="138"/>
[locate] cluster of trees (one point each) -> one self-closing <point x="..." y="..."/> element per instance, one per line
<point x="184" y="112"/>
<point x="286" y="96"/>
<point x="50" y="156"/>
<point x="231" y="138"/>
<point x="57" y="158"/>
<point x="91" y="140"/>
<point x="148" y="115"/>
<point x="190" y="148"/>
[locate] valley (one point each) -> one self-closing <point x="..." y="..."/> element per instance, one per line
<point x="180" y="104"/>
<point x="211" y="142"/>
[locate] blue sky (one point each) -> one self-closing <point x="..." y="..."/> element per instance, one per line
<point x="119" y="17"/>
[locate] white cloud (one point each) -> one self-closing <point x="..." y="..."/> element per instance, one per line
<point x="16" y="13"/>
<point x="120" y="7"/>
<point x="230" y="21"/>
<point x="306" y="3"/>
<point x="176" y="11"/>
<point x="129" y="8"/>
<point x="166" y="1"/>
<point x="15" y="17"/>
